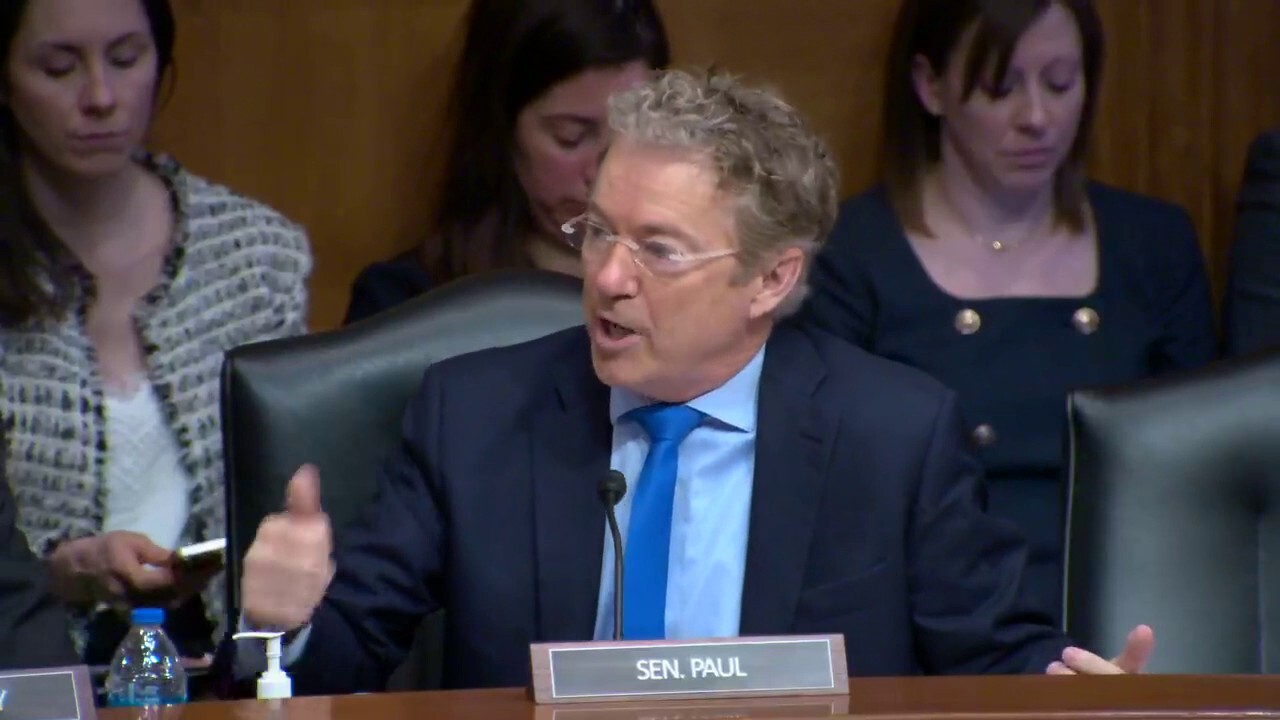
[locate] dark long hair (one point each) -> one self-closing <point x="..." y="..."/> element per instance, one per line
<point x="34" y="279"/>
<point x="932" y="29"/>
<point x="514" y="51"/>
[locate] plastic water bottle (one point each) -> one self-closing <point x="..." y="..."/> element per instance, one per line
<point x="146" y="669"/>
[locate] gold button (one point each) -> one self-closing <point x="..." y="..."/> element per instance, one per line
<point x="1086" y="320"/>
<point x="984" y="435"/>
<point x="968" y="321"/>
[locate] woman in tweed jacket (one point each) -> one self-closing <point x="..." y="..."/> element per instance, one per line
<point x="123" y="281"/>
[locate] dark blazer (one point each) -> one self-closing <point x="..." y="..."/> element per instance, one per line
<point x="864" y="521"/>
<point x="1251" y="312"/>
<point x="385" y="284"/>
<point x="33" y="626"/>
<point x="1012" y="361"/>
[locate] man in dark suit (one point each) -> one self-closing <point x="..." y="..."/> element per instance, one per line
<point x="33" y="626"/>
<point x="782" y="480"/>
<point x="1251" y="312"/>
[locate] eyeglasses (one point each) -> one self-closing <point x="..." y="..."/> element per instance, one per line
<point x="657" y="255"/>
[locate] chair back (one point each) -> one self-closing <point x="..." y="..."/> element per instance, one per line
<point x="335" y="399"/>
<point x="1174" y="517"/>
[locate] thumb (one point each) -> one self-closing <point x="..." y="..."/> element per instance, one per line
<point x="304" y="492"/>
<point x="145" y="551"/>
<point x="1137" y="650"/>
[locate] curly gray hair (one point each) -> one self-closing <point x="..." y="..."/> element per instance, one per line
<point x="762" y="150"/>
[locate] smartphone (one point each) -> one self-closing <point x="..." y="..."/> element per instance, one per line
<point x="207" y="555"/>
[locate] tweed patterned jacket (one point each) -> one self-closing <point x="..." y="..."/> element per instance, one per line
<point x="236" y="274"/>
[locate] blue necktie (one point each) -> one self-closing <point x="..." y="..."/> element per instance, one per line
<point x="644" y="589"/>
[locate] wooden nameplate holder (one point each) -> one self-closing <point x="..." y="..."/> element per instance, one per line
<point x="689" y="669"/>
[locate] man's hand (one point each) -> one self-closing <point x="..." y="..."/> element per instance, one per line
<point x="1134" y="657"/>
<point x="113" y="568"/>
<point x="290" y="563"/>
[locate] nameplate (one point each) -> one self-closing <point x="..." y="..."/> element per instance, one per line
<point x="718" y="668"/>
<point x="47" y="694"/>
<point x="829" y="706"/>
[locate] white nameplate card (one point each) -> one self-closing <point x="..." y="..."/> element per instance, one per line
<point x="678" y="669"/>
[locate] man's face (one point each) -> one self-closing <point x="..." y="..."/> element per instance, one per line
<point x="670" y="336"/>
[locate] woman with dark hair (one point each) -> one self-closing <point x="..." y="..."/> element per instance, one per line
<point x="124" y="280"/>
<point x="989" y="259"/>
<point x="526" y="133"/>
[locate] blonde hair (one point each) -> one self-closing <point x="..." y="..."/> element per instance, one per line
<point x="762" y="150"/>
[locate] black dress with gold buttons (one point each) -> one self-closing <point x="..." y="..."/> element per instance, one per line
<point x="1012" y="361"/>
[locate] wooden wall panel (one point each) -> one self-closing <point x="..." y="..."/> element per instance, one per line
<point x="826" y="56"/>
<point x="1246" y="101"/>
<point x="326" y="109"/>
<point x="330" y="109"/>
<point x="1188" y="84"/>
<point x="1152" y="124"/>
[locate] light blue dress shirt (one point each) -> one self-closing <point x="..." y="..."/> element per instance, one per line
<point x="712" y="511"/>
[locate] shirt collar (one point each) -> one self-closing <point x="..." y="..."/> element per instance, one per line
<point x="733" y="403"/>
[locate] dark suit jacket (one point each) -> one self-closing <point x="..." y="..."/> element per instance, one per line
<point x="1012" y="377"/>
<point x="33" y="626"/>
<point x="1251" y="312"/>
<point x="386" y="284"/>
<point x="865" y="521"/>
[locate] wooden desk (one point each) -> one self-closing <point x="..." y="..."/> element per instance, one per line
<point x="1150" y="697"/>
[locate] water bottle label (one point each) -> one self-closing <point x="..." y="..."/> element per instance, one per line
<point x="141" y="697"/>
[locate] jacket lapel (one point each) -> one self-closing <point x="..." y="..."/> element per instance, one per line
<point x="571" y="444"/>
<point x="793" y="444"/>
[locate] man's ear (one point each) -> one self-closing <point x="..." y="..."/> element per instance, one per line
<point x="777" y="281"/>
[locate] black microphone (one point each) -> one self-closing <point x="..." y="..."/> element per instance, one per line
<point x="612" y="487"/>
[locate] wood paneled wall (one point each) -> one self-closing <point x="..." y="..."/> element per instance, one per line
<point x="329" y="109"/>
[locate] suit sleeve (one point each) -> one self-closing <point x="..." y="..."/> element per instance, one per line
<point x="965" y="571"/>
<point x="841" y="299"/>
<point x="389" y="567"/>
<point x="1183" y="307"/>
<point x="370" y="295"/>
<point x="1251" y="312"/>
<point x="384" y="285"/>
<point x="33" y="626"/>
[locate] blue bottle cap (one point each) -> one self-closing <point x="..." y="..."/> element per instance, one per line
<point x="147" y="616"/>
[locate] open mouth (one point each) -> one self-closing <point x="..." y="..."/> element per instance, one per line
<point x="614" y="331"/>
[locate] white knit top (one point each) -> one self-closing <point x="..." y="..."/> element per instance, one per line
<point x="146" y="482"/>
<point x="236" y="274"/>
